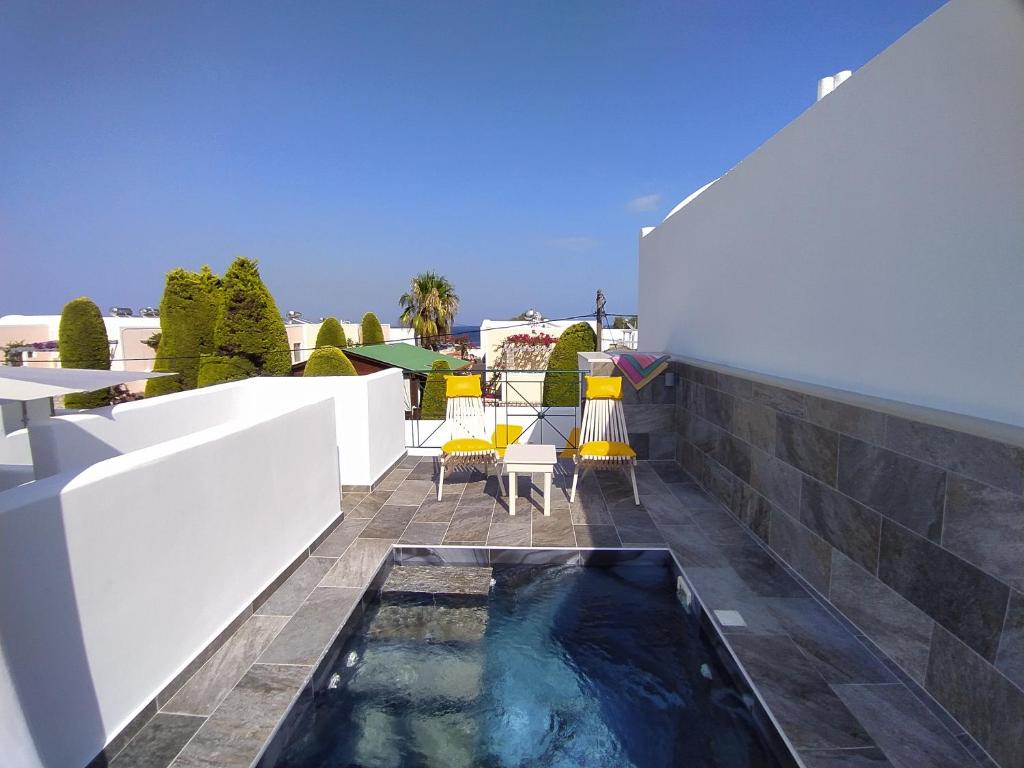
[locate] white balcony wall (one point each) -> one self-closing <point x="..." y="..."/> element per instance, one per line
<point x="873" y="244"/>
<point x="369" y="412"/>
<point x="113" y="577"/>
<point x="370" y="416"/>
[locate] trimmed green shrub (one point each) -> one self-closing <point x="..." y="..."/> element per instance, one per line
<point x="188" y="313"/>
<point x="82" y="341"/>
<point x="215" y="369"/>
<point x="331" y="334"/>
<point x="249" y="329"/>
<point x="435" y="401"/>
<point x="372" y="333"/>
<point x="564" y="388"/>
<point x="329" y="361"/>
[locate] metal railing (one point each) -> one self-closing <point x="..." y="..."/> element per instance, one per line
<point x="514" y="400"/>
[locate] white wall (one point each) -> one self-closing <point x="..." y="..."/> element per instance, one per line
<point x="76" y="440"/>
<point x="112" y="579"/>
<point x="369" y="414"/>
<point x="875" y="243"/>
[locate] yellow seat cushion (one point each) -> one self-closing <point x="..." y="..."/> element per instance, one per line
<point x="604" y="387"/>
<point x="467" y="445"/>
<point x="462" y="386"/>
<point x="606" y="448"/>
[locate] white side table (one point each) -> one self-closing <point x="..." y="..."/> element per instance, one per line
<point x="528" y="459"/>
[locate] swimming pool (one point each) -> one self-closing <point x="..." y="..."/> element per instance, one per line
<point x="559" y="666"/>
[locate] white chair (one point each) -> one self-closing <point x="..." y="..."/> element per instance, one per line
<point x="604" y="441"/>
<point x="469" y="446"/>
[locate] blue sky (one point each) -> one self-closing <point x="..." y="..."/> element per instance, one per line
<point x="515" y="147"/>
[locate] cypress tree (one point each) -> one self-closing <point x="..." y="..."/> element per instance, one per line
<point x="372" y="333"/>
<point x="329" y="361"/>
<point x="331" y="334"/>
<point x="435" y="401"/>
<point x="564" y="388"/>
<point x="249" y="337"/>
<point x="188" y="312"/>
<point x="82" y="341"/>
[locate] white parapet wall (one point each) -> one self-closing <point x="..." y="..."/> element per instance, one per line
<point x="875" y="243"/>
<point x="368" y="413"/>
<point x="113" y="577"/>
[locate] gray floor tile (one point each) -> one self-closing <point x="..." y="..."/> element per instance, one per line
<point x="555" y="530"/>
<point x="157" y="744"/>
<point x="389" y="523"/>
<point x="811" y="714"/>
<point x="469" y="525"/>
<point x="394" y="479"/>
<point x="308" y="633"/>
<point x="665" y="508"/>
<point x="350" y="500"/>
<point x="424" y="533"/>
<point x="289" y="596"/>
<point x="434" y="511"/>
<point x="359" y="563"/>
<point x="596" y="536"/>
<point x="411" y="493"/>
<point x="837" y="655"/>
<point x="693" y="496"/>
<point x="902" y="727"/>
<point x="208" y="687"/>
<point x="233" y="736"/>
<point x="509" y="534"/>
<point x="692" y="547"/>
<point x="369" y="506"/>
<point x="871" y="757"/>
<point x="340" y="538"/>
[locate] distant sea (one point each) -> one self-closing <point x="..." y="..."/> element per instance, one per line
<point x="473" y="331"/>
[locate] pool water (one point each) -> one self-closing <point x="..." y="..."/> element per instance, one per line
<point x="563" y="666"/>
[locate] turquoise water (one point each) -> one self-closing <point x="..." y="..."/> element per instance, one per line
<point x="564" y="666"/>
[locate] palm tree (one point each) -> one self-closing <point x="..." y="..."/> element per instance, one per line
<point x="429" y="308"/>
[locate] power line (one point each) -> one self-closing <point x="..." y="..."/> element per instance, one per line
<point x="310" y="349"/>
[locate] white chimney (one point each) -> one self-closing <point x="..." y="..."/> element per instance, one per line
<point x="828" y="84"/>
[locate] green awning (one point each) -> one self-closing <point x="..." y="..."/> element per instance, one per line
<point x="404" y="356"/>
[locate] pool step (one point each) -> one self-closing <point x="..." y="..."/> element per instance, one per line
<point x="438" y="581"/>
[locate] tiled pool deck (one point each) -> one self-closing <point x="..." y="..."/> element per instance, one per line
<point x="837" y="699"/>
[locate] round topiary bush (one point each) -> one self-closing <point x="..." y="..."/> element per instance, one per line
<point x="329" y="361"/>
<point x="564" y="388"/>
<point x="372" y="333"/>
<point x="331" y="334"/>
<point x="82" y="341"/>
<point x="249" y="327"/>
<point x="188" y="312"/>
<point x="435" y="401"/>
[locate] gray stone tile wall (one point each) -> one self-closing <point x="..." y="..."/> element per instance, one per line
<point x="913" y="531"/>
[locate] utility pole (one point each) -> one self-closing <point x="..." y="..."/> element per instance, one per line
<point x="600" y="316"/>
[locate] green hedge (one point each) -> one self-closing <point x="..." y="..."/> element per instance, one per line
<point x="249" y="329"/>
<point x="329" y="361"/>
<point x="372" y="333"/>
<point x="188" y="313"/>
<point x="215" y="369"/>
<point x="564" y="388"/>
<point x="82" y="342"/>
<point x="331" y="334"/>
<point x="435" y="401"/>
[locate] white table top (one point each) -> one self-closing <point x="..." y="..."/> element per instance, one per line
<point x="530" y="454"/>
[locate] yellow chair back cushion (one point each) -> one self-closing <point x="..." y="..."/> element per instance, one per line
<point x="604" y="387"/>
<point x="467" y="445"/>
<point x="462" y="386"/>
<point x="607" y="448"/>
